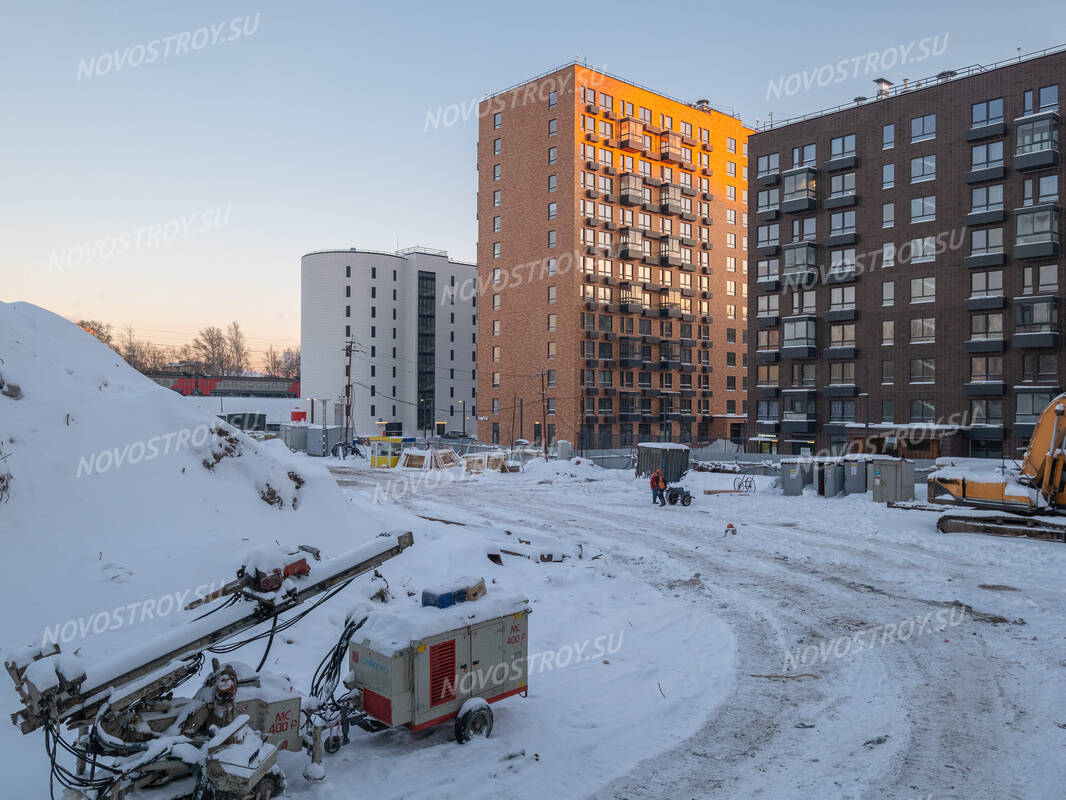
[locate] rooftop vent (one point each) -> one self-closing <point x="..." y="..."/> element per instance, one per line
<point x="860" y="100"/>
<point x="882" y="85"/>
<point x="946" y="75"/>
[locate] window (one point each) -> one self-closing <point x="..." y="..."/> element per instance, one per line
<point x="731" y="169"/>
<point x="923" y="209"/>
<point x="1044" y="189"/>
<point x="888" y="293"/>
<point x="766" y="375"/>
<point x="888" y="215"/>
<point x="496" y="171"/>
<point x="799" y="333"/>
<point x="986" y="368"/>
<point x="922" y="370"/>
<point x="1040" y="316"/>
<point x="986" y="198"/>
<point x="841" y="298"/>
<point x="730" y="144"/>
<point x="922" y="411"/>
<point x="985" y="241"/>
<point x="842" y="335"/>
<point x="842" y="222"/>
<point x="1040" y="368"/>
<point x="922" y="250"/>
<point x="923" y="128"/>
<point x="985" y="156"/>
<point x="798" y="186"/>
<point x="553" y="237"/>
<point x="496" y="144"/>
<point x="842" y="411"/>
<point x="923" y="330"/>
<point x="496" y="302"/>
<point x="804" y="230"/>
<point x="553" y="127"/>
<point x="988" y="112"/>
<point x="842" y="185"/>
<point x="987" y="326"/>
<point x="496" y="198"/>
<point x="768" y="200"/>
<point x="986" y="284"/>
<point x="551" y="350"/>
<point x="888" y="176"/>
<point x="986" y="412"/>
<point x="888" y="137"/>
<point x="1030" y="405"/>
<point x="804" y="156"/>
<point x="767" y="305"/>
<point x="923" y="290"/>
<point x="768" y="164"/>
<point x="842" y="372"/>
<point x="768" y="235"/>
<point x="497" y="120"/>
<point x="495" y="249"/>
<point x="888" y="411"/>
<point x="495" y="224"/>
<point x="888" y="254"/>
<point x="842" y="146"/>
<point x="496" y="353"/>
<point x="1037" y="226"/>
<point x="803" y="302"/>
<point x="1049" y="98"/>
<point x="1040" y="280"/>
<point x="553" y="99"/>
<point x="888" y="332"/>
<point x="553" y="154"/>
<point x="923" y="169"/>
<point x="803" y="375"/>
<point x="766" y="270"/>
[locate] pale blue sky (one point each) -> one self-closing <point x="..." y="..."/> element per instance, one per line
<point x="304" y="126"/>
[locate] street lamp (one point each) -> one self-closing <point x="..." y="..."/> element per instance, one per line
<point x="462" y="412"/>
<point x="867" y="434"/>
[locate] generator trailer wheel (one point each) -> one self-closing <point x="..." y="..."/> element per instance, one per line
<point x="475" y="719"/>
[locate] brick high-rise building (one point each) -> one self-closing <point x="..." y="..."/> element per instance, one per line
<point x="611" y="246"/>
<point x="906" y="285"/>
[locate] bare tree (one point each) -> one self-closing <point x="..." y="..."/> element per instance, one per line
<point x="272" y="363"/>
<point x="129" y="348"/>
<point x="101" y="330"/>
<point x="153" y="358"/>
<point x="238" y="348"/>
<point x="212" y="350"/>
<point x="290" y="363"/>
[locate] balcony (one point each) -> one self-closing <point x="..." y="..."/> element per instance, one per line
<point x="632" y="190"/>
<point x="670" y="251"/>
<point x="798" y="191"/>
<point x="1036" y="141"/>
<point x="841" y="161"/>
<point x="987" y="345"/>
<point x="1037" y="229"/>
<point x="798" y="339"/>
<point x="799" y="267"/>
<point x="631" y="243"/>
<point x="1036" y="322"/>
<point x="670" y="199"/>
<point x="670" y="148"/>
<point x="985" y="388"/>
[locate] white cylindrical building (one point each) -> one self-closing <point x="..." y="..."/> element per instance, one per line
<point x="411" y="317"/>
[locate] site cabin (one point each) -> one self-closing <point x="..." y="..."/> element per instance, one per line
<point x="410" y="674"/>
<point x="385" y="450"/>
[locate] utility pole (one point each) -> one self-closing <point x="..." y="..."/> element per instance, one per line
<point x="514" y="408"/>
<point x="521" y="418"/>
<point x="348" y="346"/>
<point x="544" y="415"/>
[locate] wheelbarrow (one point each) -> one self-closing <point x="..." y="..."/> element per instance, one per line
<point x="678" y="494"/>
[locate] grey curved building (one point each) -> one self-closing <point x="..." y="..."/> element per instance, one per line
<point x="413" y="334"/>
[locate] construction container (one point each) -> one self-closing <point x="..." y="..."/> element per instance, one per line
<point x="411" y="675"/>
<point x="294" y="436"/>
<point x="320" y="439"/>
<point x="854" y="475"/>
<point x="796" y="473"/>
<point x="671" y="458"/>
<point x="893" y="480"/>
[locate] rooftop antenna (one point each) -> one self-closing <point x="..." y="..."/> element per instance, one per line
<point x="1019" y="53"/>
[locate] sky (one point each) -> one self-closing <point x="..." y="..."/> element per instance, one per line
<point x="165" y="164"/>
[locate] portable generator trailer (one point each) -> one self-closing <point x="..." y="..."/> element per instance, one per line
<point x="220" y="744"/>
<point x="409" y="673"/>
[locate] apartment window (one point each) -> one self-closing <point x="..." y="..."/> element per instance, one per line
<point x="766" y="339"/>
<point x="1040" y="368"/>
<point x="1030" y="405"/>
<point x="731" y="241"/>
<point x="495" y="249"/>
<point x="888" y="293"/>
<point x="986" y="198"/>
<point x="1049" y="98"/>
<point x="986" y="412"/>
<point x="923" y="128"/>
<point x="496" y="327"/>
<point x="768" y="235"/>
<point x="495" y="405"/>
<point x="553" y="99"/>
<point x="842" y="222"/>
<point x="799" y="186"/>
<point x="888" y="332"/>
<point x="803" y="375"/>
<point x="731" y="169"/>
<point x="552" y="208"/>
<point x="888" y="176"/>
<point x="842" y="335"/>
<point x="551" y="350"/>
<point x="799" y="332"/>
<point x="842" y="372"/>
<point x="496" y="145"/>
<point x="1040" y="280"/>
<point x="986" y="284"/>
<point x="888" y="254"/>
<point x="922" y="411"/>
<point x="842" y="260"/>
<point x="553" y="266"/>
<point x="768" y="199"/>
<point x="1038" y="316"/>
<point x="923" y="209"/>
<point x="552" y="238"/>
<point x="804" y="156"/>
<point x="984" y="156"/>
<point x="803" y="302"/>
<point x="888" y="137"/>
<point x="923" y="169"/>
<point x="730" y="144"/>
<point x="553" y="154"/>
<point x="497" y="171"/>
<point x="731" y="192"/>
<point x="986" y="368"/>
<point x="986" y="240"/>
<point x="553" y="127"/>
<point x="841" y="298"/>
<point x="496" y="353"/>
<point x="922" y="250"/>
<point x="988" y="112"/>
<point x="923" y="290"/>
<point x="766" y="270"/>
<point x="1037" y="226"/>
<point x="1044" y="189"/>
<point x="888" y="215"/>
<point x="987" y="326"/>
<point x="497" y="120"/>
<point x="495" y="224"/>
<point x="767" y="305"/>
<point x="888" y="411"/>
<point x="842" y="185"/>
<point x="496" y="198"/>
<point x="552" y="319"/>
<point x="496" y="302"/>
<point x="842" y="146"/>
<point x="804" y="230"/>
<point x="923" y="370"/>
<point x="923" y="330"/>
<point x="767" y="164"/>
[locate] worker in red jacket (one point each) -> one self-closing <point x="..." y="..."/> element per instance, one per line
<point x="657" y="487"/>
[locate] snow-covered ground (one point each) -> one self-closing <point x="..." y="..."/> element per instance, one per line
<point x="830" y="648"/>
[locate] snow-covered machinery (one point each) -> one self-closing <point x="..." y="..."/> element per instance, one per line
<point x="219" y="744"/>
<point x="1037" y="486"/>
<point x="407" y="672"/>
